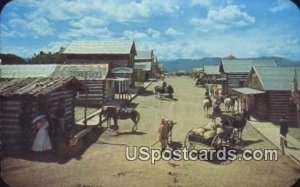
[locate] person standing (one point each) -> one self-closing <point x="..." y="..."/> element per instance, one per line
<point x="211" y="90"/>
<point x="163" y="134"/>
<point x="283" y="128"/>
<point x="42" y="140"/>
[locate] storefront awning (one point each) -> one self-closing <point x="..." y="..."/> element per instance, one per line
<point x="248" y="91"/>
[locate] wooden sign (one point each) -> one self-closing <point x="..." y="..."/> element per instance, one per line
<point x="122" y="70"/>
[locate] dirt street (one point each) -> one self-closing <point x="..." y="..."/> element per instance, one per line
<point x="103" y="163"/>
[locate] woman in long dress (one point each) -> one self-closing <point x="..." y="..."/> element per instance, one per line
<point x="42" y="141"/>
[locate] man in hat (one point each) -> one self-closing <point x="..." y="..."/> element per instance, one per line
<point x="42" y="141"/>
<point x="163" y="134"/>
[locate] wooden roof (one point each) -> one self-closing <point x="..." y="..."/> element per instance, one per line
<point x="36" y="86"/>
<point x="80" y="71"/>
<point x="274" y="78"/>
<point x="243" y="65"/>
<point x="144" y="55"/>
<point x="211" y="70"/>
<point x="101" y="47"/>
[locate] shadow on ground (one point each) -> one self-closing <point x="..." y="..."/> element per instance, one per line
<point x="146" y="93"/>
<point x="63" y="152"/>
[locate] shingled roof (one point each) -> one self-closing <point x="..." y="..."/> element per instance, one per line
<point x="80" y="71"/>
<point x="242" y="65"/>
<point x="144" y="55"/>
<point x="276" y="78"/>
<point x="211" y="70"/>
<point x="101" y="47"/>
<point x="36" y="86"/>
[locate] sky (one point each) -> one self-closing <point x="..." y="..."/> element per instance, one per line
<point x="172" y="28"/>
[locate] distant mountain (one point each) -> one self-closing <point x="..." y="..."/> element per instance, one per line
<point x="189" y="64"/>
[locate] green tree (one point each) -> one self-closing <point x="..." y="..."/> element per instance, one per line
<point x="48" y="58"/>
<point x="11" y="59"/>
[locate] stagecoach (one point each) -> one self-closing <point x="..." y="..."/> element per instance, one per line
<point x="217" y="136"/>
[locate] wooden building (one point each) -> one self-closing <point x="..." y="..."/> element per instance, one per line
<point x="115" y="53"/>
<point x="93" y="76"/>
<point x="236" y="71"/>
<point x="143" y="66"/>
<point x="212" y="75"/>
<point x="21" y="99"/>
<point x="267" y="93"/>
<point x="197" y="73"/>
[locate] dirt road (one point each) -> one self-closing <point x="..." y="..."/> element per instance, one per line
<point x="104" y="163"/>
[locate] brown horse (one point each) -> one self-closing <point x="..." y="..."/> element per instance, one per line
<point x="115" y="113"/>
<point x="237" y="121"/>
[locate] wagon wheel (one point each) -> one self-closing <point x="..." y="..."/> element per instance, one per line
<point x="235" y="138"/>
<point x="188" y="144"/>
<point x="216" y="142"/>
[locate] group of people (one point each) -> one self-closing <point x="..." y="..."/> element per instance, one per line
<point x="48" y="128"/>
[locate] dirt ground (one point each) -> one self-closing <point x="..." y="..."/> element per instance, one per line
<point x="102" y="162"/>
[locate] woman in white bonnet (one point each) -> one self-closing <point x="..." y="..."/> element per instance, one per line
<point x="42" y="141"/>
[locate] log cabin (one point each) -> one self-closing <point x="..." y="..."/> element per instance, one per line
<point x="236" y="71"/>
<point x="21" y="99"/>
<point x="268" y="92"/>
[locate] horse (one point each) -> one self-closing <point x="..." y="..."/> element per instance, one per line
<point x="161" y="90"/>
<point x="115" y="113"/>
<point x="207" y="103"/>
<point x="229" y="104"/>
<point x="237" y="121"/>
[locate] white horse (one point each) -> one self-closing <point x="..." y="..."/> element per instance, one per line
<point x="206" y="106"/>
<point x="229" y="104"/>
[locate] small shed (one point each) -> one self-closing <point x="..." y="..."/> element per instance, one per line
<point x="267" y="93"/>
<point x="144" y="65"/>
<point x="142" y="71"/>
<point x="21" y="99"/>
<point x="236" y="71"/>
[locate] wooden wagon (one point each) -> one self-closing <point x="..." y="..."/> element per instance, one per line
<point x="215" y="136"/>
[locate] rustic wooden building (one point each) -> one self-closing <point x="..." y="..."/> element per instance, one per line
<point x="93" y="76"/>
<point x="212" y="75"/>
<point x="267" y="93"/>
<point x="21" y="99"/>
<point x="236" y="71"/>
<point x="198" y="72"/>
<point x="143" y="66"/>
<point x="115" y="53"/>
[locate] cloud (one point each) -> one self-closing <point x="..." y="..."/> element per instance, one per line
<point x="222" y="19"/>
<point x="173" y="32"/>
<point x="153" y="33"/>
<point x="87" y="26"/>
<point x="205" y="3"/>
<point x="135" y="35"/>
<point x="35" y="28"/>
<point x="88" y="21"/>
<point x="86" y="32"/>
<point x="113" y="10"/>
<point x="280" y="5"/>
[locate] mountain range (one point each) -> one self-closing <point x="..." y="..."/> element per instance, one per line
<point x="189" y="64"/>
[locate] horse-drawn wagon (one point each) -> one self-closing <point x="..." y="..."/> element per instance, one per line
<point x="228" y="133"/>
